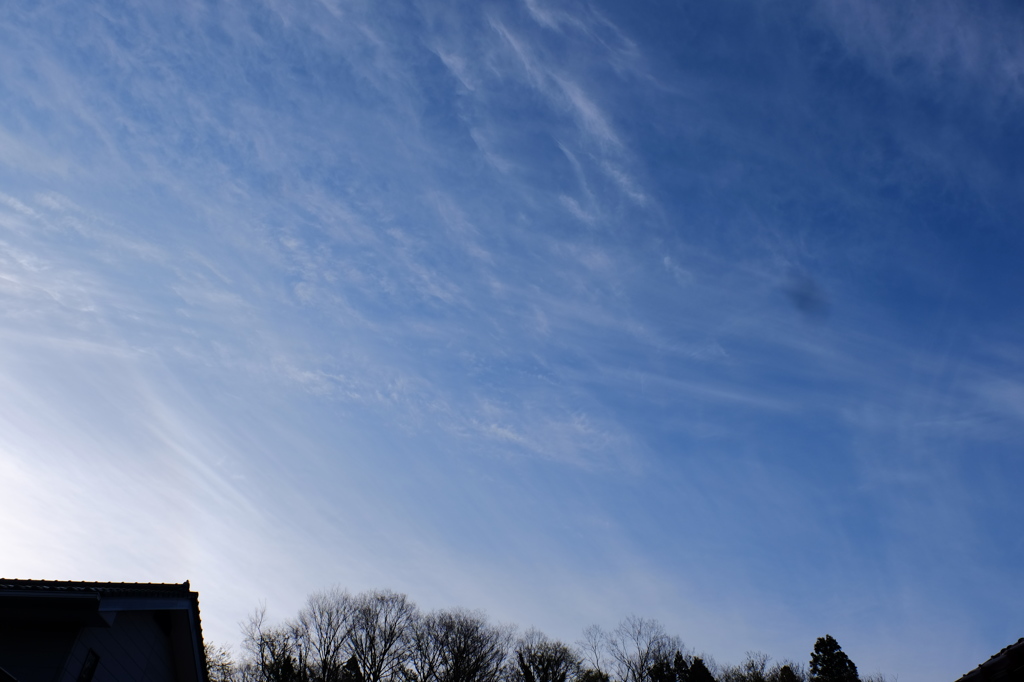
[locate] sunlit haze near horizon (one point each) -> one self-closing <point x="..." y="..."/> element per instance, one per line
<point x="708" y="312"/>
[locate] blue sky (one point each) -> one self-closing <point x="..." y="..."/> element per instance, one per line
<point x="708" y="312"/>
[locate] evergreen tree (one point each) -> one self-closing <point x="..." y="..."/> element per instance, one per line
<point x="676" y="671"/>
<point x="662" y="671"/>
<point x="351" y="671"/>
<point x="786" y="674"/>
<point x="699" y="672"/>
<point x="593" y="675"/>
<point x="682" y="670"/>
<point x="830" y="664"/>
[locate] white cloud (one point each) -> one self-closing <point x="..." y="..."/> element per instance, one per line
<point x="975" y="45"/>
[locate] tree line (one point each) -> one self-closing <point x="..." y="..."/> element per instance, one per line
<point x="381" y="636"/>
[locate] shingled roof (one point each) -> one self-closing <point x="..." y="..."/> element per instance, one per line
<point x="111" y="589"/>
<point x="1005" y="666"/>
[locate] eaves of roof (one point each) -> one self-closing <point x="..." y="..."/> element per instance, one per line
<point x="100" y="588"/>
<point x="1006" y="665"/>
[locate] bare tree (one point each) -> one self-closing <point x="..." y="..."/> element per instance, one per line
<point x="324" y="628"/>
<point x="219" y="665"/>
<point x="592" y="648"/>
<point x="457" y="646"/>
<point x="382" y="623"/>
<point x="753" y="669"/>
<point x="540" y="659"/>
<point x="424" y="662"/>
<point x="272" y="653"/>
<point x="380" y="636"/>
<point x="637" y="645"/>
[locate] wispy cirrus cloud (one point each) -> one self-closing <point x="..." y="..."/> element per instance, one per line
<point x="934" y="44"/>
<point x="444" y="294"/>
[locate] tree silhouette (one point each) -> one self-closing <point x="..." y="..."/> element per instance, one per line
<point x="786" y="674"/>
<point x="699" y="672"/>
<point x="662" y="671"/>
<point x="381" y="623"/>
<point x="636" y="645"/>
<point x="219" y="666"/>
<point x="753" y="669"/>
<point x="381" y="636"/>
<point x="593" y="675"/>
<point x="456" y="646"/>
<point x="829" y="663"/>
<point x="272" y="650"/>
<point x="676" y="671"/>
<point x="545" y="660"/>
<point x="323" y="627"/>
<point x="350" y="671"/>
<point x="681" y="668"/>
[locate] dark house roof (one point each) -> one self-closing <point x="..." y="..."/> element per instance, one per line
<point x="1005" y="666"/>
<point x="65" y="630"/>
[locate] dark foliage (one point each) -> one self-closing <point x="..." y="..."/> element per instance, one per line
<point x="786" y="674"/>
<point x="681" y="667"/>
<point x="829" y="663"/>
<point x="699" y="671"/>
<point x="350" y="672"/>
<point x="678" y="670"/>
<point x="593" y="675"/>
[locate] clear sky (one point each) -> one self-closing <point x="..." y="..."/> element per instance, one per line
<point x="709" y="312"/>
